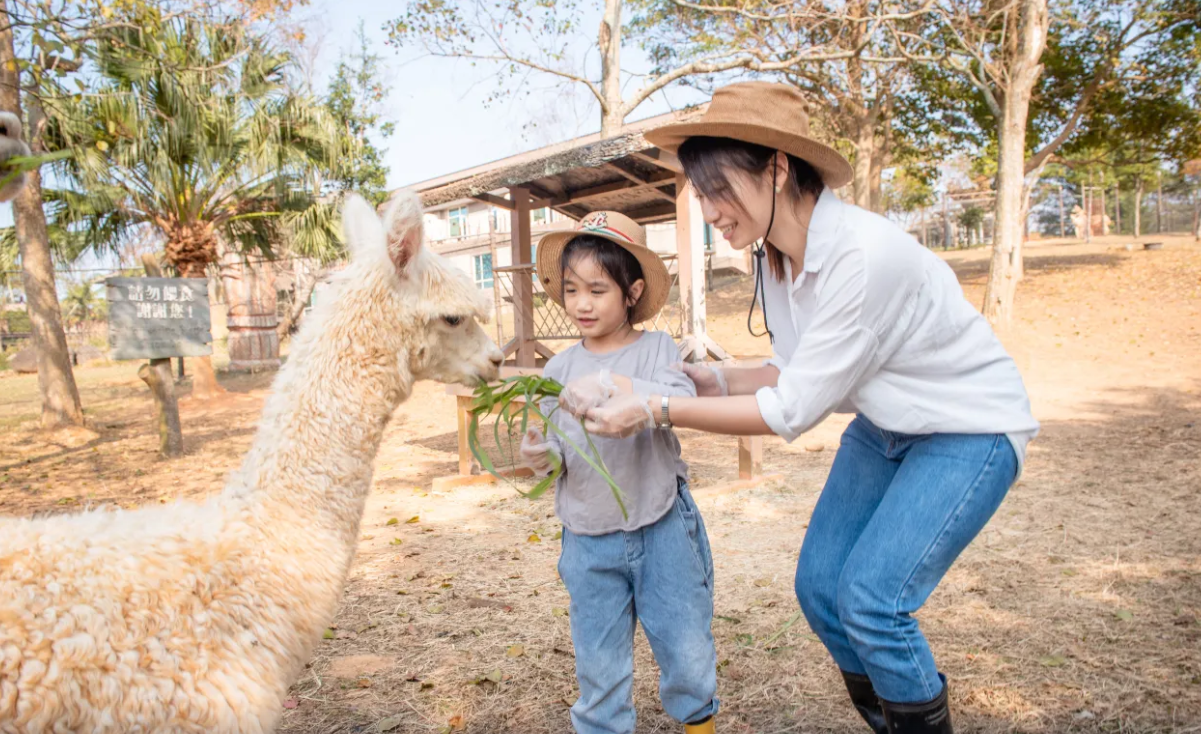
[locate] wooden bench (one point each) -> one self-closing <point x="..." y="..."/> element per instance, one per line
<point x="750" y="448"/>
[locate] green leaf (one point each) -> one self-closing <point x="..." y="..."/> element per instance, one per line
<point x="1052" y="661"/>
<point x="1125" y="615"/>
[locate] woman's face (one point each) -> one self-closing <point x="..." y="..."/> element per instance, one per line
<point x="742" y="225"/>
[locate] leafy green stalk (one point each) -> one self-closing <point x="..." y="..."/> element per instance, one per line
<point x="529" y="390"/>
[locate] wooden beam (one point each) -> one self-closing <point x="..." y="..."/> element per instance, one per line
<point x="661" y="158"/>
<point x="656" y="212"/>
<point x="595" y="192"/>
<point x="638" y="179"/>
<point x="494" y="201"/>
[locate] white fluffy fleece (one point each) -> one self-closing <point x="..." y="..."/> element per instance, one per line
<point x="197" y="617"/>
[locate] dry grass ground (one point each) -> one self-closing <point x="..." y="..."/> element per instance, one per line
<point x="1077" y="610"/>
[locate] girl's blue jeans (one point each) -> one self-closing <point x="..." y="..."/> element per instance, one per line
<point x="662" y="576"/>
<point x="896" y="512"/>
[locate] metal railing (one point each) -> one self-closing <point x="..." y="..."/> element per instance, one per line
<point x="551" y="321"/>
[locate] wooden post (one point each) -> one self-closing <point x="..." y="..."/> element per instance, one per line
<point x="750" y="456"/>
<point x="157" y="376"/>
<point x="523" y="285"/>
<point x="1104" y="210"/>
<point x="690" y="261"/>
<point x="463" y="414"/>
<point x="690" y="233"/>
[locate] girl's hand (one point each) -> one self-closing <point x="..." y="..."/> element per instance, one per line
<point x="583" y="393"/>
<point x="537" y="453"/>
<point x="710" y="381"/>
<point x="621" y="417"/>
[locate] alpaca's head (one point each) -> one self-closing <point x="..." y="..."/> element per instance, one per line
<point x="435" y="305"/>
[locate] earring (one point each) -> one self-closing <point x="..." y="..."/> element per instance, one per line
<point x="777" y="189"/>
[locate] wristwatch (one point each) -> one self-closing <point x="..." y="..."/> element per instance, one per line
<point x="664" y="419"/>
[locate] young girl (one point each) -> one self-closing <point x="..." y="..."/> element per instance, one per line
<point x="654" y="565"/>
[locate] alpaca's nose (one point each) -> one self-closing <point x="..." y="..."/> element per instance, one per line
<point x="497" y="357"/>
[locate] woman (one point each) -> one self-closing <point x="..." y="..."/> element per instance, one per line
<point x="864" y="320"/>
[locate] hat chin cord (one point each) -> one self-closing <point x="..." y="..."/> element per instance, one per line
<point x="760" y="292"/>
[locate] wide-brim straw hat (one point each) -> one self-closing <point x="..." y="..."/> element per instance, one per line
<point x="621" y="230"/>
<point x="765" y="113"/>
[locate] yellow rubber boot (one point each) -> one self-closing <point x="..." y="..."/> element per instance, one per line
<point x="705" y="727"/>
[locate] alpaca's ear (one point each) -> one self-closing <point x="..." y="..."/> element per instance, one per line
<point x="404" y="228"/>
<point x="362" y="228"/>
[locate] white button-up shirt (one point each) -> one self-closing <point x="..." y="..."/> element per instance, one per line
<point x="877" y="324"/>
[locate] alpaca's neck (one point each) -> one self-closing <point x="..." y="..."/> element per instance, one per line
<point x="322" y="426"/>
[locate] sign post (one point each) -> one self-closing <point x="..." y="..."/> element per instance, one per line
<point x="159" y="318"/>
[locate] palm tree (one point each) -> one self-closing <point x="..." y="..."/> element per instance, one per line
<point x="192" y="131"/>
<point x="82" y="304"/>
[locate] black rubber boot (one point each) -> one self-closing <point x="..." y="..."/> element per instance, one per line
<point x="932" y="717"/>
<point x="866" y="702"/>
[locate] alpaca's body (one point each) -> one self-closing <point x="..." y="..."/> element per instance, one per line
<point x="199" y="617"/>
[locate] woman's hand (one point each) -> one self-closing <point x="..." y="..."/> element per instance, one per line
<point x="537" y="453"/>
<point x="710" y="381"/>
<point x="621" y="417"/>
<point x="584" y="393"/>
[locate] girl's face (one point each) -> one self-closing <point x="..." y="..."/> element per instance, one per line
<point x="744" y="225"/>
<point x="593" y="300"/>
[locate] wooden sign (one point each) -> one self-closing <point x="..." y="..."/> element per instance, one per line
<point x="156" y="318"/>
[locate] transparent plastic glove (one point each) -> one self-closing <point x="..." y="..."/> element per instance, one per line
<point x="583" y="393"/>
<point x="536" y="452"/>
<point x="621" y="417"/>
<point x="710" y="381"/>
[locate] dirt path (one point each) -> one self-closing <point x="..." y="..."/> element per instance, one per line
<point x="1077" y="610"/>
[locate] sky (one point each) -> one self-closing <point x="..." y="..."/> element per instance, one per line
<point x="438" y="105"/>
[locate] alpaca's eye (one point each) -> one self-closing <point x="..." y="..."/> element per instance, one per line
<point x="452" y="320"/>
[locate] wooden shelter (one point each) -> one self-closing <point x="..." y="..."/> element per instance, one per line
<point x="623" y="173"/>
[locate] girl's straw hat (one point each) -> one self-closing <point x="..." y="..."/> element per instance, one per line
<point x="765" y="113"/>
<point x="617" y="228"/>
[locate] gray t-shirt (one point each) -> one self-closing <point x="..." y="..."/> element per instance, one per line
<point x="646" y="466"/>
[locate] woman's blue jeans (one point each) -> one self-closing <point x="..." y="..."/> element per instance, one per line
<point x="896" y="512"/>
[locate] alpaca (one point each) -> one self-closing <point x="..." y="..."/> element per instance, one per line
<point x="11" y="146"/>
<point x="197" y="618"/>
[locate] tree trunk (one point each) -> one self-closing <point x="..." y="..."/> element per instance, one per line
<point x="1159" y="203"/>
<point x="1117" y="206"/>
<point x="609" y="43"/>
<point x="56" y="381"/>
<point x="865" y="143"/>
<point x="299" y="303"/>
<point x="1063" y="232"/>
<point x="1138" y="207"/>
<point x="875" y="197"/>
<point x="204" y="378"/>
<point x="1005" y="269"/>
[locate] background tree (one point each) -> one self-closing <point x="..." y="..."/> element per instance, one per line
<point x="56" y="381"/>
<point x="524" y="37"/>
<point x="1035" y="75"/>
<point x="192" y="132"/>
<point x="856" y="99"/>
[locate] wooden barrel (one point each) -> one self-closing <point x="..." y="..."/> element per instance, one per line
<point x="252" y="320"/>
